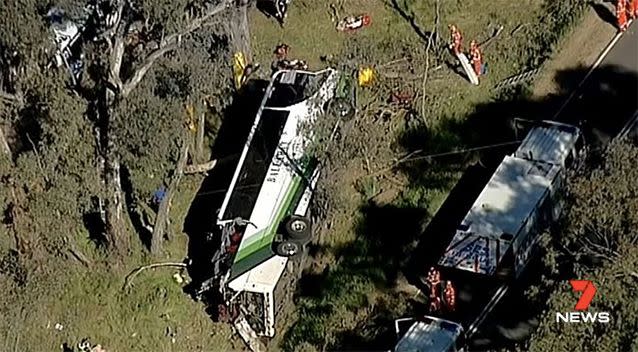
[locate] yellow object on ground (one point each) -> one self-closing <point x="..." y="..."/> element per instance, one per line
<point x="239" y="65"/>
<point x="366" y="76"/>
<point x="190" y="117"/>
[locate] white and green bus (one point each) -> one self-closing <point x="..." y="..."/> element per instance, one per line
<point x="264" y="219"/>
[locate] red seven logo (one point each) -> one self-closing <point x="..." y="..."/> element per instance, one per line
<point x="587" y="288"/>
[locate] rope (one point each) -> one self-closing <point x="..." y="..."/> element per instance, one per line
<point x="409" y="157"/>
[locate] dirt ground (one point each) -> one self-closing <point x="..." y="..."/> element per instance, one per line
<point x="579" y="49"/>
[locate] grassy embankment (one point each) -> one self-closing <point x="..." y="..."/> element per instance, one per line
<point x="91" y="302"/>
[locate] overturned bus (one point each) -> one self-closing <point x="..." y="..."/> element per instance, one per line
<point x="264" y="221"/>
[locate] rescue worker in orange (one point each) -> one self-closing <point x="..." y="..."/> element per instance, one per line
<point x="449" y="296"/>
<point x="456" y="39"/>
<point x="621" y="14"/>
<point x="633" y="9"/>
<point x="434" y="277"/>
<point x="435" y="302"/>
<point x="476" y="58"/>
<point x="281" y="51"/>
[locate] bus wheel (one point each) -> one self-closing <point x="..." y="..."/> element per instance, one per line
<point x="288" y="248"/>
<point x="298" y="228"/>
<point x="341" y="108"/>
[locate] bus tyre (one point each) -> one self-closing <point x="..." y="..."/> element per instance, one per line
<point x="341" y="108"/>
<point x="298" y="228"/>
<point x="288" y="248"/>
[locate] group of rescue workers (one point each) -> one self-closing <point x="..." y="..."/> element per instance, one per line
<point x="626" y="10"/>
<point x="437" y="301"/>
<point x="476" y="56"/>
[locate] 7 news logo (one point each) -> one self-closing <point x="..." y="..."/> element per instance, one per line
<point x="580" y="316"/>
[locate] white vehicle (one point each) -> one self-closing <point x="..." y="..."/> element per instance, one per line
<point x="497" y="238"/>
<point x="264" y="219"/>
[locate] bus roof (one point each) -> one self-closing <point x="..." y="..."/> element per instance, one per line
<point x="498" y="214"/>
<point x="549" y="143"/>
<point x="512" y="194"/>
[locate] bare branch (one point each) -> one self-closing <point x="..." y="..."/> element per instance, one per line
<point x="633" y="274"/>
<point x="15" y="98"/>
<point x="137" y="76"/>
<point x="134" y="273"/>
<point x="596" y="248"/>
<point x="116" y="62"/>
<point x="76" y="253"/>
<point x="4" y="145"/>
<point x="427" y="56"/>
<point x="37" y="157"/>
<point x="205" y="167"/>
<point x="118" y="20"/>
<point x="199" y="142"/>
<point x="117" y="32"/>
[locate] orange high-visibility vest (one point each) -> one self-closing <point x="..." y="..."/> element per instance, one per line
<point x="449" y="294"/>
<point x="621" y="14"/>
<point x="477" y="59"/>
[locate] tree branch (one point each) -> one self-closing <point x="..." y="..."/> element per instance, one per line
<point x="199" y="140"/>
<point x="15" y="98"/>
<point x="427" y="58"/>
<point x="4" y="145"/>
<point x="169" y="43"/>
<point x="137" y="76"/>
<point x="117" y="33"/>
<point x="205" y="167"/>
<point x="134" y="273"/>
<point x="37" y="158"/>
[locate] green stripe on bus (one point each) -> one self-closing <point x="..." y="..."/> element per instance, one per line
<point x="260" y="241"/>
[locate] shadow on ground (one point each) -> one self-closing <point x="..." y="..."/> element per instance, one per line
<point x="605" y="11"/>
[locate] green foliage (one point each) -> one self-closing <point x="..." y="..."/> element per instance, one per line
<point x="560" y="15"/>
<point x="601" y="242"/>
<point x="23" y="30"/>
<point x="153" y="122"/>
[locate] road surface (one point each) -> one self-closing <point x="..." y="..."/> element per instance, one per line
<point x="609" y="97"/>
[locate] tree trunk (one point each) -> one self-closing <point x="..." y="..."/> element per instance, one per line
<point x="240" y="32"/>
<point x="115" y="229"/>
<point x="116" y="235"/>
<point x="199" y="141"/>
<point x="161" y="220"/>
